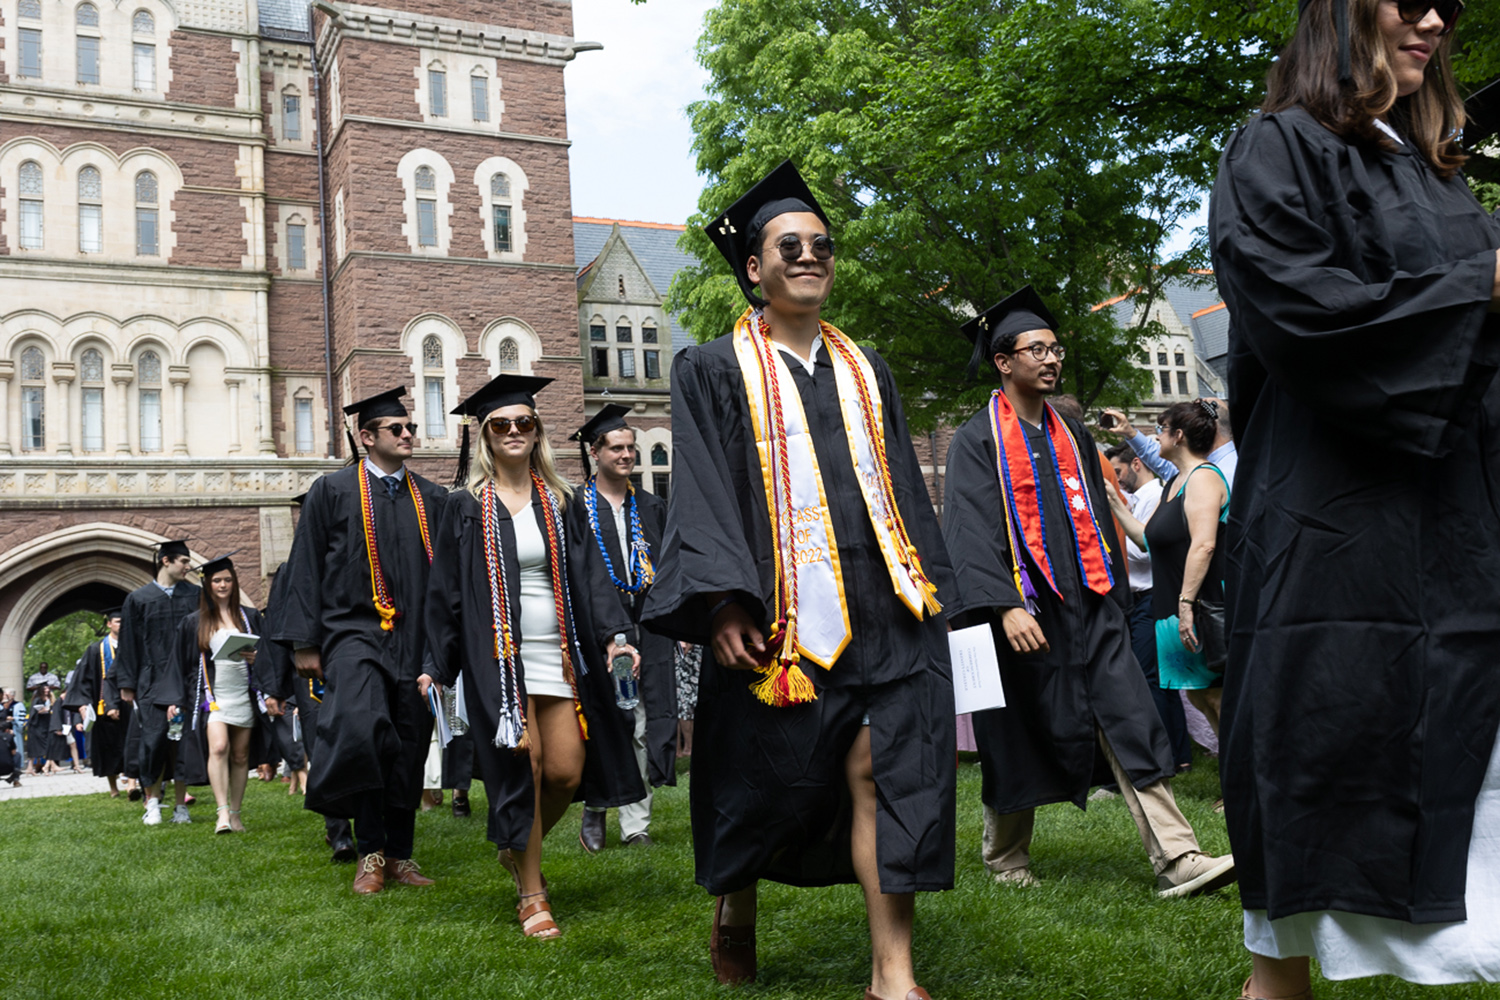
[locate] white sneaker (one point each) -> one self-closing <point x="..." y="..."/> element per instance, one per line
<point x="180" y="814"/>
<point x="153" y="813"/>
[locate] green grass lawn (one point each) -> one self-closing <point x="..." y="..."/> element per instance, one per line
<point x="97" y="905"/>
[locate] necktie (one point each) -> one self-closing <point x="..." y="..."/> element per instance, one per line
<point x="392" y="484"/>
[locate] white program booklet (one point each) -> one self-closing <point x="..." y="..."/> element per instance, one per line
<point x="228" y="645"/>
<point x="976" y="671"/>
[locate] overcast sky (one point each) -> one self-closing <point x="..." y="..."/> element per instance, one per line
<point x="632" y="147"/>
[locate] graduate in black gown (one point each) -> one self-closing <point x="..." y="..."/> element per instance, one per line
<point x="518" y="606"/>
<point x="839" y="765"/>
<point x="285" y="691"/>
<point x="1023" y="504"/>
<point x="626" y="525"/>
<point x="352" y="615"/>
<point x="148" y="628"/>
<point x="97" y="685"/>
<point x="1361" y="700"/>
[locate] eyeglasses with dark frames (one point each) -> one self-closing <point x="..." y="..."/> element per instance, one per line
<point x="502" y="425"/>
<point x="1413" y="11"/>
<point x="396" y="429"/>
<point x="790" y="247"/>
<point x="1040" y="351"/>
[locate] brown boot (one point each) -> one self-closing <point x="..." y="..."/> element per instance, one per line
<point x="369" y="874"/>
<point x="405" y="871"/>
<point x="731" y="949"/>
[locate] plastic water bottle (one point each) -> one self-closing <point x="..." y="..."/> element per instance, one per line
<point x="627" y="691"/>
<point x="174" y="727"/>
<point x="456" y="724"/>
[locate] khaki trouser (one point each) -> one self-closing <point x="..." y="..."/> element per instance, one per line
<point x="635" y="818"/>
<point x="1164" y="830"/>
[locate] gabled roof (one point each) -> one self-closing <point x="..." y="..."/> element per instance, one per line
<point x="654" y="245"/>
<point x="285" y="19"/>
<point x="615" y="243"/>
<point x="1197" y="305"/>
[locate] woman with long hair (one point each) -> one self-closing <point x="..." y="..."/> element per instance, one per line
<point x="523" y="609"/>
<point x="1185" y="539"/>
<point x="215" y="689"/>
<point x="1361" y="701"/>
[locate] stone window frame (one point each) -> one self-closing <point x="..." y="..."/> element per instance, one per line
<point x="413" y="340"/>
<point x="305" y="216"/>
<point x="93" y="200"/>
<point x="651" y="361"/>
<point x="31" y="190"/>
<point x="510" y="328"/>
<point x="649" y="331"/>
<point x="93" y="381"/>
<point x="82" y="30"/>
<point x="31" y="372"/>
<point x="340" y="240"/>
<point x="648" y="441"/>
<point x="155" y="387"/>
<point x="406" y="171"/>
<point x="311" y="391"/>
<point x="438" y="104"/>
<point x="288" y="117"/>
<point x="434" y="398"/>
<point x="598" y="330"/>
<point x="624" y="331"/>
<point x="476" y="90"/>
<point x="519" y="185"/>
<point x="30" y="41"/>
<point x="147" y="200"/>
<point x="508" y="357"/>
<point x="459" y="69"/>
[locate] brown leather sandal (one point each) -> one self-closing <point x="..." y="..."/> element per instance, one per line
<point x="536" y="918"/>
<point x="1245" y="994"/>
<point x="731" y="949"/>
<point x="508" y="862"/>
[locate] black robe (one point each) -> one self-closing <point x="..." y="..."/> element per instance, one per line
<point x="374" y="728"/>
<point x="1361" y="700"/>
<point x="1041" y="747"/>
<point x="769" y="795"/>
<point x="187" y="688"/>
<point x="148" y="628"/>
<point x="92" y="687"/>
<point x="461" y="639"/>
<point x="658" y="655"/>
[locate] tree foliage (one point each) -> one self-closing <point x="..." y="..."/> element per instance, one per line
<point x="60" y="644"/>
<point x="963" y="148"/>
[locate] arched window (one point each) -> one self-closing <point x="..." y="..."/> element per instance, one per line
<point x="658" y="454"/>
<point x="148" y="376"/>
<point x="296" y="243"/>
<point x="86" y="17"/>
<point x="500" y="202"/>
<point x="648" y="332"/>
<point x="143" y="54"/>
<point x="432" y="386"/>
<point x="33" y="400"/>
<point x="31" y="9"/>
<point x="91" y="375"/>
<point x="90" y="211"/>
<point x="291" y="114"/>
<point x="31" y="205"/>
<point x="437" y="90"/>
<point x="479" y="95"/>
<point x="510" y="356"/>
<point x="426" y="183"/>
<point x="147" y="235"/>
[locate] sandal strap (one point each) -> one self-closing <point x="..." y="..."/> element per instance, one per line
<point x="540" y="909"/>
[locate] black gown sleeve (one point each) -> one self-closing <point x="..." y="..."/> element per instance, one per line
<point x="705" y="549"/>
<point x="86" y="681"/>
<point x="974" y="524"/>
<point x="131" y="650"/>
<point x="442" y="609"/>
<point x="300" y="616"/>
<point x="177" y="682"/>
<point x="1321" y="302"/>
<point x="272" y="670"/>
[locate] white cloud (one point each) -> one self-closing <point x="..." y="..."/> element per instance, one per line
<point x="632" y="147"/>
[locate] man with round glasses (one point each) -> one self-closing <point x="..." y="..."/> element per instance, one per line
<point x="352" y="614"/>
<point x="1027" y="523"/>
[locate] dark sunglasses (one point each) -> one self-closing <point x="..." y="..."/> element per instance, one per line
<point x="1413" y="11"/>
<point x="396" y="429"/>
<point x="502" y="425"/>
<point x="790" y="247"/>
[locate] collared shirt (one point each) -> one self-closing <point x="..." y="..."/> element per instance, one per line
<point x="377" y="473"/>
<point x="1226" y="457"/>
<point x="1143" y="504"/>
<point x="621" y="532"/>
<point x="165" y="590"/>
<point x="811" y="361"/>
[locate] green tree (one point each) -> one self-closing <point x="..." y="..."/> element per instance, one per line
<point x="963" y="148"/>
<point x="60" y="644"/>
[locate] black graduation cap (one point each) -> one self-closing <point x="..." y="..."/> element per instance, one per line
<point x="611" y="418"/>
<point x="109" y="613"/>
<point x="175" y="548"/>
<point x="211" y="567"/>
<point x="383" y="404"/>
<point x="736" y="231"/>
<point x="1483" y="108"/>
<point x="1015" y="314"/>
<point x="502" y="390"/>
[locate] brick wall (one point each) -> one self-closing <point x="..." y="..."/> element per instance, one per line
<point x="532" y="15"/>
<point x="205" y="69"/>
<point x="208" y="230"/>
<point x="203" y="163"/>
<point x="379" y="79"/>
<point x="534" y="99"/>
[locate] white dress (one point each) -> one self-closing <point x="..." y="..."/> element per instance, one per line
<point x="1353" y="945"/>
<point x="541" y="649"/>
<point x="231" y="691"/>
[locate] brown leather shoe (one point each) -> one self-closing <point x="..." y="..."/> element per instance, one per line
<point x="405" y="871"/>
<point x="1245" y="993"/>
<point x="915" y="993"/>
<point x="731" y="949"/>
<point x="591" y="833"/>
<point x="369" y="874"/>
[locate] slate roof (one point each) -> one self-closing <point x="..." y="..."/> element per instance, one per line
<point x="1197" y="304"/>
<point x="654" y="245"/>
<point x="286" y="19"/>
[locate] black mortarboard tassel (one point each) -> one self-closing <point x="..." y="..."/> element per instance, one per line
<point x="1017" y="313"/>
<point x="1341" y="26"/>
<point x="736" y="230"/>
<point x="1483" y="109"/>
<point x="610" y="418"/>
<point x="502" y="390"/>
<point x="213" y="566"/>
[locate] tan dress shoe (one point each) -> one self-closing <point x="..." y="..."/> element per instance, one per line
<point x="405" y="871"/>
<point x="731" y="949"/>
<point x="369" y="874"/>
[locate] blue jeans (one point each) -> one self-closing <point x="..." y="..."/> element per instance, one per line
<point x="1168" y="703"/>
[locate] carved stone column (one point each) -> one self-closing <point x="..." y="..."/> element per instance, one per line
<point x="7" y="372"/>
<point x="234" y="412"/>
<point x="62" y="375"/>
<point x="178" y="376"/>
<point x="122" y="376"/>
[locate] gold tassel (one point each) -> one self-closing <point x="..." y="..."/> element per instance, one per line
<point x="583" y="724"/>
<point x="784" y="685"/>
<point x="523" y="745"/>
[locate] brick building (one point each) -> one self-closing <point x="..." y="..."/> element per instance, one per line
<point x="179" y="318"/>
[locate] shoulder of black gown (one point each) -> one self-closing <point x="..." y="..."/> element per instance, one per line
<point x="131" y="650"/>
<point x="299" y="618"/>
<point x="598" y="613"/>
<point x="705" y="548"/>
<point x="1307" y="231"/>
<point x="653" y="514"/>
<point x="172" y="688"/>
<point x="974" y="521"/>
<point x="442" y="610"/>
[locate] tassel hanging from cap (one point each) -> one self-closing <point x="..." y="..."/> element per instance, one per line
<point x="353" y="445"/>
<point x="461" y="476"/>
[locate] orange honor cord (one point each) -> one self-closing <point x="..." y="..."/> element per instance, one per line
<point x="378" y="589"/>
<point x="560" y="596"/>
